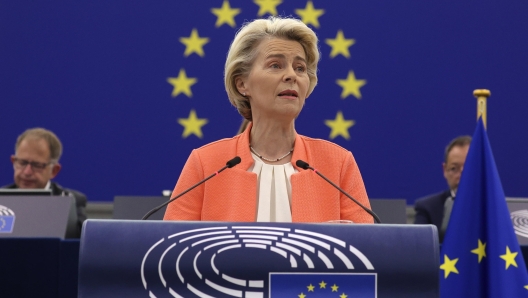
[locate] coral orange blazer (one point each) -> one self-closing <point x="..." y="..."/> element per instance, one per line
<point x="232" y="195"/>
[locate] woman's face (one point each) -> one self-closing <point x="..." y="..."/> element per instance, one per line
<point x="278" y="83"/>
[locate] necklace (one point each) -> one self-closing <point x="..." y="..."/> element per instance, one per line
<point x="268" y="159"/>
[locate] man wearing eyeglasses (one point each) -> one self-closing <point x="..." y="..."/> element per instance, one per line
<point x="36" y="162"/>
<point x="436" y="209"/>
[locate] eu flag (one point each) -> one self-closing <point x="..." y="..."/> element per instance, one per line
<point x="481" y="256"/>
<point x="313" y="285"/>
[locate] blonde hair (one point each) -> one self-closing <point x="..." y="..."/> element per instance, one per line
<point x="242" y="53"/>
<point x="55" y="145"/>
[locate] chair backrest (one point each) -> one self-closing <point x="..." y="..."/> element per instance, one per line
<point x="135" y="207"/>
<point x="390" y="211"/>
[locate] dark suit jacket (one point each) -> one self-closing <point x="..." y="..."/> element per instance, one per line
<point x="80" y="202"/>
<point x="430" y="209"/>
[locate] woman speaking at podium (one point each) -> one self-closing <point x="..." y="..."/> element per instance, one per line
<point x="270" y="71"/>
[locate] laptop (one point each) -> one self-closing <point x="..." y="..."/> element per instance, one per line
<point x="23" y="215"/>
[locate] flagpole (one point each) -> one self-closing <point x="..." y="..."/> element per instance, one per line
<point x="481" y="95"/>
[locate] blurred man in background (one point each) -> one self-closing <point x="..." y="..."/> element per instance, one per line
<point x="36" y="162"/>
<point x="436" y="208"/>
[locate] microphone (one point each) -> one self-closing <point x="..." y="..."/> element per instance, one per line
<point x="231" y="163"/>
<point x="304" y="165"/>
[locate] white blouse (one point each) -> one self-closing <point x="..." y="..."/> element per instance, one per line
<point x="273" y="190"/>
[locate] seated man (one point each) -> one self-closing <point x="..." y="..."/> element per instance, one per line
<point x="436" y="208"/>
<point x="36" y="162"/>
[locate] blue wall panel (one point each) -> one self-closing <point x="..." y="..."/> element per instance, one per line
<point x="96" y="73"/>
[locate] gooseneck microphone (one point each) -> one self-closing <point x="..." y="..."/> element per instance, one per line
<point x="231" y="163"/>
<point x="304" y="165"/>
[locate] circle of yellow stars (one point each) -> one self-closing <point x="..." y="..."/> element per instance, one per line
<point x="225" y="15"/>
<point x="322" y="285"/>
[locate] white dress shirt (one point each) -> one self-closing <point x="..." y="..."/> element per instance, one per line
<point x="273" y="190"/>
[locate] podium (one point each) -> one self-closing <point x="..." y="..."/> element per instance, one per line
<point x="132" y="258"/>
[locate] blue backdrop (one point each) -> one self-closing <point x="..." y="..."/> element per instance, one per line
<point x="106" y="77"/>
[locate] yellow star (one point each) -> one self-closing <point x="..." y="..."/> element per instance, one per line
<point x="480" y="250"/>
<point x="339" y="126"/>
<point x="225" y="14"/>
<point x="194" y="43"/>
<point x="343" y="296"/>
<point x="449" y="266"/>
<point x="334" y="288"/>
<point x="526" y="287"/>
<point x="182" y="84"/>
<point x="310" y="15"/>
<point x="302" y="295"/>
<point x="310" y="288"/>
<point x="322" y="285"/>
<point x="267" y="6"/>
<point x="509" y="257"/>
<point x="192" y="125"/>
<point x="351" y="85"/>
<point x="340" y="45"/>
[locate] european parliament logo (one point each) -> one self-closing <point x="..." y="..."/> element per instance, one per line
<point x="281" y="262"/>
<point x="520" y="222"/>
<point x="518" y="209"/>
<point x="7" y="220"/>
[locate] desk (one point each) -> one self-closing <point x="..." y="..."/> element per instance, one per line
<point x="47" y="267"/>
<point x="38" y="267"/>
